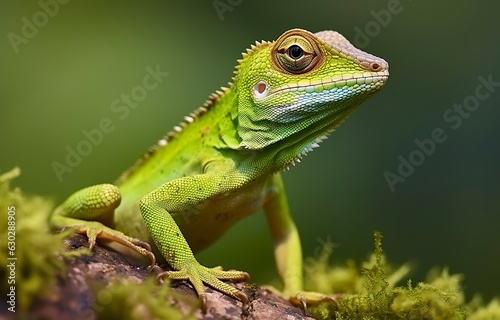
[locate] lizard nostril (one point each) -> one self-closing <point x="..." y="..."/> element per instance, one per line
<point x="372" y="66"/>
<point x="375" y="66"/>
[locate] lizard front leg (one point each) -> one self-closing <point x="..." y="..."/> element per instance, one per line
<point x="178" y="195"/>
<point x="96" y="203"/>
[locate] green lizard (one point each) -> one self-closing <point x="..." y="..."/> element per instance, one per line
<point x="223" y="163"/>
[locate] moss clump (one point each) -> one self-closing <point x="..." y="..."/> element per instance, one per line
<point x="25" y="224"/>
<point x="146" y="300"/>
<point x="371" y="292"/>
<point x="480" y="312"/>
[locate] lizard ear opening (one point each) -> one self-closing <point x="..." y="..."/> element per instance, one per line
<point x="260" y="90"/>
<point x="296" y="52"/>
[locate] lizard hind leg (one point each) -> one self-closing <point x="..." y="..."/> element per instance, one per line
<point x="89" y="211"/>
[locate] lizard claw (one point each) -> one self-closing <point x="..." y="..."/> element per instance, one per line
<point x="141" y="243"/>
<point x="305" y="298"/>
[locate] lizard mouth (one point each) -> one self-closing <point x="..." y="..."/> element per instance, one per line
<point x="375" y="79"/>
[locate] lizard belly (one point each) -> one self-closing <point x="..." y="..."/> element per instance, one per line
<point x="205" y="223"/>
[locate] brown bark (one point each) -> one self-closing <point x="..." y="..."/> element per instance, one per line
<point x="73" y="298"/>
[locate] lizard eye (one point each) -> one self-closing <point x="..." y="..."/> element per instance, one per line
<point x="295" y="53"/>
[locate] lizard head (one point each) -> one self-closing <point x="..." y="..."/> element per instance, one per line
<point x="301" y="87"/>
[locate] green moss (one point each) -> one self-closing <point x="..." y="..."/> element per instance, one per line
<point x="33" y="246"/>
<point x="480" y="312"/>
<point x="371" y="292"/>
<point x="147" y="300"/>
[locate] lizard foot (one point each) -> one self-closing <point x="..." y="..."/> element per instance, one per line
<point x="198" y="274"/>
<point x="304" y="298"/>
<point x="95" y="230"/>
<point x="96" y="202"/>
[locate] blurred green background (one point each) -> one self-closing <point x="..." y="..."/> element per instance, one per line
<point x="63" y="77"/>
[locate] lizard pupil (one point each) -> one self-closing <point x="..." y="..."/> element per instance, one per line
<point x="295" y="52"/>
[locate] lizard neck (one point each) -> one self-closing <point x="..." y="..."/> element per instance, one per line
<point x="292" y="149"/>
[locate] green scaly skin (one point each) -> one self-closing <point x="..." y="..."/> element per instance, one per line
<point x="223" y="162"/>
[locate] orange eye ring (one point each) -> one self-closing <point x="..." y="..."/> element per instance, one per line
<point x="296" y="52"/>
